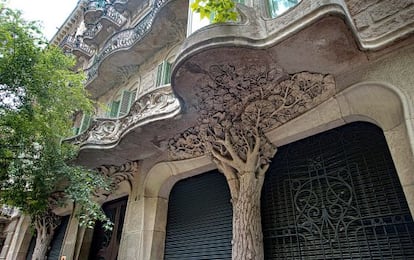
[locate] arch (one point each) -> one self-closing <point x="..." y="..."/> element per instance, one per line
<point x="376" y="102"/>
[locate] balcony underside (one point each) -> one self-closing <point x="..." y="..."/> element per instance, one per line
<point x="324" y="45"/>
<point x="127" y="49"/>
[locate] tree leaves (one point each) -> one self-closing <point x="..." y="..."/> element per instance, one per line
<point x="39" y="93"/>
<point x="219" y="11"/>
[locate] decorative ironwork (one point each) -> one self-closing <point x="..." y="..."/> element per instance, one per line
<point x="125" y="39"/>
<point x="336" y="196"/>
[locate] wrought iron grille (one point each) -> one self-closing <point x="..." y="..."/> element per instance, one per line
<point x="336" y="195"/>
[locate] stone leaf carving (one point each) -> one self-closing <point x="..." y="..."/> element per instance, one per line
<point x="118" y="174"/>
<point x="158" y="104"/>
<point x="233" y="99"/>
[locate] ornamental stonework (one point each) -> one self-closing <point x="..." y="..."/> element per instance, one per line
<point x="155" y="105"/>
<point x="118" y="174"/>
<point x="239" y="100"/>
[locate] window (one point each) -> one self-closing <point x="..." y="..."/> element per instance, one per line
<point x="85" y="123"/>
<point x="163" y="73"/>
<point x="128" y="97"/>
<point x="277" y="7"/>
<point x="118" y="108"/>
<point x="113" y="108"/>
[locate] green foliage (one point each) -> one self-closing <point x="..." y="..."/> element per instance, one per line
<point x="221" y="10"/>
<point x="39" y="94"/>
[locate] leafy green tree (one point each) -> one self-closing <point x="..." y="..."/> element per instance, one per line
<point x="39" y="94"/>
<point x="221" y="10"/>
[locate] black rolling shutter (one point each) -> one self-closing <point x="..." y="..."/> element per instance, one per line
<point x="199" y="222"/>
<point x="57" y="241"/>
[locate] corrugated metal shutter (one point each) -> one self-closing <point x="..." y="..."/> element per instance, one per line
<point x="57" y="241"/>
<point x="199" y="224"/>
<point x="336" y="195"/>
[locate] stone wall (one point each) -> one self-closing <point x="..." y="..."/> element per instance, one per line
<point x="377" y="18"/>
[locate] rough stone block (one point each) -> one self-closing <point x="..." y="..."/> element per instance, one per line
<point x="387" y="8"/>
<point x="357" y="6"/>
<point x="362" y="21"/>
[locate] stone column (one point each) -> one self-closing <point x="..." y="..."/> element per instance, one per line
<point x="20" y="241"/>
<point x="71" y="237"/>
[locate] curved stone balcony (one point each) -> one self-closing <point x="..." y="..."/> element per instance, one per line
<point x="120" y="5"/>
<point x="91" y="32"/>
<point x="93" y="10"/>
<point x="133" y="136"/>
<point x="76" y="46"/>
<point x="164" y="24"/>
<point x="113" y="17"/>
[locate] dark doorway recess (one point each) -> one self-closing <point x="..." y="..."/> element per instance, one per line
<point x="336" y="195"/>
<point x="199" y="224"/>
<point x="105" y="243"/>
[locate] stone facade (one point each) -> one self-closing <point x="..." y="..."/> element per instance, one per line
<point x="238" y="91"/>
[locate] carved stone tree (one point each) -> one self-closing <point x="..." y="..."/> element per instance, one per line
<point x="236" y="107"/>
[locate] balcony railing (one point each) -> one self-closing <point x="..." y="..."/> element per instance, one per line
<point x="76" y="44"/>
<point x="94" y="10"/>
<point x="124" y="39"/>
<point x="114" y="16"/>
<point x="92" y="31"/>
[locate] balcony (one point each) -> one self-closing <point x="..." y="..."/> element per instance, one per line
<point x="113" y="17"/>
<point x="164" y="24"/>
<point x="136" y="134"/>
<point x="120" y="5"/>
<point x="76" y="46"/>
<point x="94" y="10"/>
<point x="91" y="32"/>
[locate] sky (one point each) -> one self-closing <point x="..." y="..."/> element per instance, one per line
<point x="51" y="13"/>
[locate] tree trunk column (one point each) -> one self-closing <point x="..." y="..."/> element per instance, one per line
<point x="247" y="227"/>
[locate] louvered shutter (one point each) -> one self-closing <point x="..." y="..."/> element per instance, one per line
<point x="125" y="103"/>
<point x="199" y="224"/>
<point x="113" y="109"/>
<point x="159" y="75"/>
<point x="166" y="73"/>
<point x="86" y="121"/>
<point x="163" y="73"/>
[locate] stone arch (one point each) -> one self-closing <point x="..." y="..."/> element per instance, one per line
<point x="376" y="102"/>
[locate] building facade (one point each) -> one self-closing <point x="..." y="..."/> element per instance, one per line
<point x="287" y="134"/>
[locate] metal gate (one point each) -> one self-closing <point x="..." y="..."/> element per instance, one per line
<point x="199" y="224"/>
<point x="336" y="195"/>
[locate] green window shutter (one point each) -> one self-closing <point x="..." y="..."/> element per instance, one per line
<point x="113" y="109"/>
<point x="240" y="1"/>
<point x="166" y="73"/>
<point x="159" y="75"/>
<point x="125" y="103"/>
<point x="86" y="121"/>
<point x="163" y="73"/>
<point x="75" y="130"/>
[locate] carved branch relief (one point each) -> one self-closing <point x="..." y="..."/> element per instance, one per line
<point x="118" y="174"/>
<point x="158" y="104"/>
<point x="239" y="98"/>
<point x="236" y="107"/>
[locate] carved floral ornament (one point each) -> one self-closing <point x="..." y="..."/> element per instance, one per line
<point x="118" y="174"/>
<point x="237" y="101"/>
<point x="158" y="104"/>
